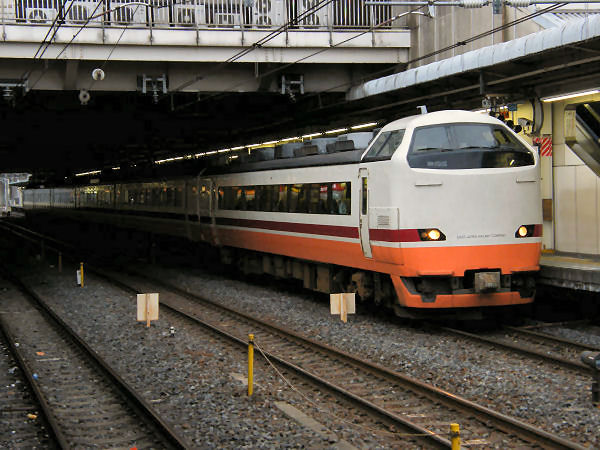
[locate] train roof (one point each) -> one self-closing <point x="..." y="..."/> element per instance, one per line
<point x="328" y="159"/>
<point x="437" y="117"/>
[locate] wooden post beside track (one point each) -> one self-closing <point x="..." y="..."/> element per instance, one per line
<point x="147" y="308"/>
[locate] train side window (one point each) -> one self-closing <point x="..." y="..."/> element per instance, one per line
<point x="282" y="199"/>
<point x="267" y="196"/>
<point x="341" y="198"/>
<point x="314" y="199"/>
<point x="240" y="199"/>
<point x="227" y="200"/>
<point x="365" y="196"/>
<point x="385" y="145"/>
<point x="303" y="198"/>
<point x="179" y="196"/>
<point x="250" y="194"/>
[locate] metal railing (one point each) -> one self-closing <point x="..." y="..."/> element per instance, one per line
<point x="209" y="14"/>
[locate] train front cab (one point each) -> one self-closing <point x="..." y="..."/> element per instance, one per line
<point x="464" y="229"/>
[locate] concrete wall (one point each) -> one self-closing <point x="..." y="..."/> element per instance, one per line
<point x="454" y="24"/>
<point x="577" y="204"/>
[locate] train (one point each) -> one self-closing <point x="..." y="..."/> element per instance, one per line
<point x="434" y="213"/>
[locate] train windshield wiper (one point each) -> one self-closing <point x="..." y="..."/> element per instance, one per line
<point x="439" y="149"/>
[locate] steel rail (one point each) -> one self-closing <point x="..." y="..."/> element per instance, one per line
<point x="137" y="402"/>
<point x="49" y="416"/>
<point x="557" y="324"/>
<point x="573" y="365"/>
<point x="510" y="424"/>
<point x="290" y="365"/>
<point x="551" y="337"/>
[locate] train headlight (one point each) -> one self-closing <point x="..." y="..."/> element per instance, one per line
<point x="431" y="234"/>
<point x="528" y="231"/>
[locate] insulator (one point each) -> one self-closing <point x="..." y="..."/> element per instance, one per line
<point x="519" y="3"/>
<point x="473" y="3"/>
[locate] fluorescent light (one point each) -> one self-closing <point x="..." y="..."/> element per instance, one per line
<point x="571" y="95"/>
<point x="116" y="168"/>
<point x="289" y="139"/>
<point x="308" y="136"/>
<point x="269" y="143"/>
<point x="339" y="130"/>
<point x="238" y="148"/>
<point x="223" y="150"/>
<point x="91" y="172"/>
<point x="364" y="125"/>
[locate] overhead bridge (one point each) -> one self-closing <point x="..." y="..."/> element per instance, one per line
<point x="55" y="44"/>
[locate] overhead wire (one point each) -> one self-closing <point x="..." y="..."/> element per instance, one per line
<point x="59" y="18"/>
<point x="309" y="11"/>
<point x="91" y="17"/>
<point x="114" y="46"/>
<point x="429" y="55"/>
<point x="285" y="66"/>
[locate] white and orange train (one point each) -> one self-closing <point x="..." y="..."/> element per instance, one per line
<point x="440" y="211"/>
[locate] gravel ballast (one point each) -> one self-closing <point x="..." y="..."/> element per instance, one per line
<point x="556" y="400"/>
<point x="189" y="378"/>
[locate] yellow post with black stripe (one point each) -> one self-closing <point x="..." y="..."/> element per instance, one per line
<point x="81" y="272"/>
<point x="250" y="364"/>
<point x="455" y="436"/>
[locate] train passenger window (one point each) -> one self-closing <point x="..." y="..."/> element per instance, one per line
<point x="467" y="146"/>
<point x="282" y="199"/>
<point x="170" y="196"/>
<point x="294" y="197"/>
<point x="320" y="198"/>
<point x="313" y="197"/>
<point x="179" y="196"/>
<point x="341" y="198"/>
<point x="385" y="145"/>
<point x="227" y="197"/>
<point x="240" y="199"/>
<point x="250" y="194"/>
<point x="266" y="197"/>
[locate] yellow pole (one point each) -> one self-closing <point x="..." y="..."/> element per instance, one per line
<point x="81" y="272"/>
<point x="250" y="364"/>
<point x="455" y="436"/>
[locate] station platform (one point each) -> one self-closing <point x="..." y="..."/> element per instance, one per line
<point x="570" y="271"/>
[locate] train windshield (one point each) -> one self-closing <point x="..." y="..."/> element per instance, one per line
<point x="385" y="145"/>
<point x="466" y="146"/>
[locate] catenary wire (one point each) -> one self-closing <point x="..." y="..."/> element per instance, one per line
<point x="68" y="43"/>
<point x="316" y="7"/>
<point x="285" y="66"/>
<point x="450" y="47"/>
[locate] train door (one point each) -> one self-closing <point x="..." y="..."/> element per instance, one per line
<point x="363" y="212"/>
<point x="206" y="209"/>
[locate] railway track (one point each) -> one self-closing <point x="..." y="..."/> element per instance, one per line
<point x="84" y="402"/>
<point x="407" y="403"/>
<point x="533" y="344"/>
<point x="21" y="418"/>
<point x="396" y="398"/>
